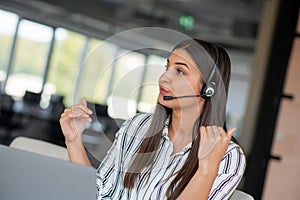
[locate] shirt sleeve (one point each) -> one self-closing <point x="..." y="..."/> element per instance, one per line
<point x="107" y="167"/>
<point x="110" y="171"/>
<point x="230" y="173"/>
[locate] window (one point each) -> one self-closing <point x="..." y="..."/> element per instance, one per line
<point x="29" y="58"/>
<point x="64" y="64"/>
<point x="96" y="71"/>
<point x="238" y="89"/>
<point x="7" y="30"/>
<point x="150" y="89"/>
<point x="126" y="84"/>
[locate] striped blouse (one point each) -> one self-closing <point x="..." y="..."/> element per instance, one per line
<point x="110" y="174"/>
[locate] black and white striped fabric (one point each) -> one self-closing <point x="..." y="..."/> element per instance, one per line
<point x="153" y="183"/>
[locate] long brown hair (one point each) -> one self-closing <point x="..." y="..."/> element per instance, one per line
<point x="206" y="55"/>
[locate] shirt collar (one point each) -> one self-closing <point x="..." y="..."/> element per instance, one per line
<point x="165" y="129"/>
<point x="165" y="134"/>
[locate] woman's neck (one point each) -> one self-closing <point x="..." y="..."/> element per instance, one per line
<point x="181" y="127"/>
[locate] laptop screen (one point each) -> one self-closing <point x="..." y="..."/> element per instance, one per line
<point x="29" y="176"/>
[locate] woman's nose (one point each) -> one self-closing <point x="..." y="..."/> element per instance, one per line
<point x="165" y="77"/>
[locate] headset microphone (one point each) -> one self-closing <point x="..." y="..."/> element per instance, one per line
<point x="174" y="97"/>
<point x="166" y="98"/>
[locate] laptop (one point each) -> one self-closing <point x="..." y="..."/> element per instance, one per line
<point x="29" y="176"/>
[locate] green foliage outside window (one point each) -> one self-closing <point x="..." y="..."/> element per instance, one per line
<point x="96" y="71"/>
<point x="65" y="64"/>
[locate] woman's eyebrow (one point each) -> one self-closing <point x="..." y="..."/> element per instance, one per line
<point x="179" y="63"/>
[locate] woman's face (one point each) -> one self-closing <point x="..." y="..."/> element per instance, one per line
<point x="182" y="77"/>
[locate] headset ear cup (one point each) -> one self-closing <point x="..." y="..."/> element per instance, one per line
<point x="207" y="92"/>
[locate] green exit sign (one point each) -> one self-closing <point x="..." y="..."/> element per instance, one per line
<point x="186" y="22"/>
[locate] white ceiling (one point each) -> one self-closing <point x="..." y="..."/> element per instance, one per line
<point x="229" y="22"/>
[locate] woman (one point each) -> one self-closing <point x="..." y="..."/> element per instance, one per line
<point x="182" y="150"/>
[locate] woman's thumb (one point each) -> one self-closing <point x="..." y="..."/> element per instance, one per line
<point x="83" y="101"/>
<point x="230" y="131"/>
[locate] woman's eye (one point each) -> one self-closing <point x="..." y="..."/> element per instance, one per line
<point x="179" y="71"/>
<point x="166" y="67"/>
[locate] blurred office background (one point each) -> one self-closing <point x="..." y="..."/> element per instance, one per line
<point x="54" y="52"/>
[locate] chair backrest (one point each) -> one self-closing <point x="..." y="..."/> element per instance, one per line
<point x="240" y="195"/>
<point x="100" y="110"/>
<point x="56" y="106"/>
<point x="40" y="147"/>
<point x="55" y="98"/>
<point x="32" y="97"/>
<point x="6" y="102"/>
<point x="6" y="109"/>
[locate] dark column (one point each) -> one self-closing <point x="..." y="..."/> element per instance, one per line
<point x="271" y="98"/>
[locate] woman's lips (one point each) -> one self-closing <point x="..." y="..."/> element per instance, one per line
<point x="163" y="91"/>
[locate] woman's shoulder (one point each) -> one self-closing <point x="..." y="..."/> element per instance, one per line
<point x="137" y="124"/>
<point x="234" y="160"/>
<point x="234" y="146"/>
<point x="138" y="119"/>
<point x="235" y="151"/>
<point x="234" y="156"/>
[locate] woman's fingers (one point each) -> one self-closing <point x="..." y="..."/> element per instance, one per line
<point x="83" y="101"/>
<point x="231" y="131"/>
<point x="83" y="105"/>
<point x="76" y="109"/>
<point x="73" y="120"/>
<point x="82" y="108"/>
<point x="214" y="138"/>
<point x="208" y="140"/>
<point x="213" y="133"/>
<point x="74" y="114"/>
<point x="216" y="133"/>
<point x="79" y="110"/>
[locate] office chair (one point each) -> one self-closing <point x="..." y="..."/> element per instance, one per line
<point x="55" y="109"/>
<point x="32" y="97"/>
<point x="240" y="195"/>
<point x="6" y="109"/>
<point x="40" y="147"/>
<point x="56" y="106"/>
<point x="9" y="120"/>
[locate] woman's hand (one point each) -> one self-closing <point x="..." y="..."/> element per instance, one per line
<point x="73" y="120"/>
<point x="213" y="144"/>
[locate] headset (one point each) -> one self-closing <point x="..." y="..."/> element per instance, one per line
<point x="208" y="90"/>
